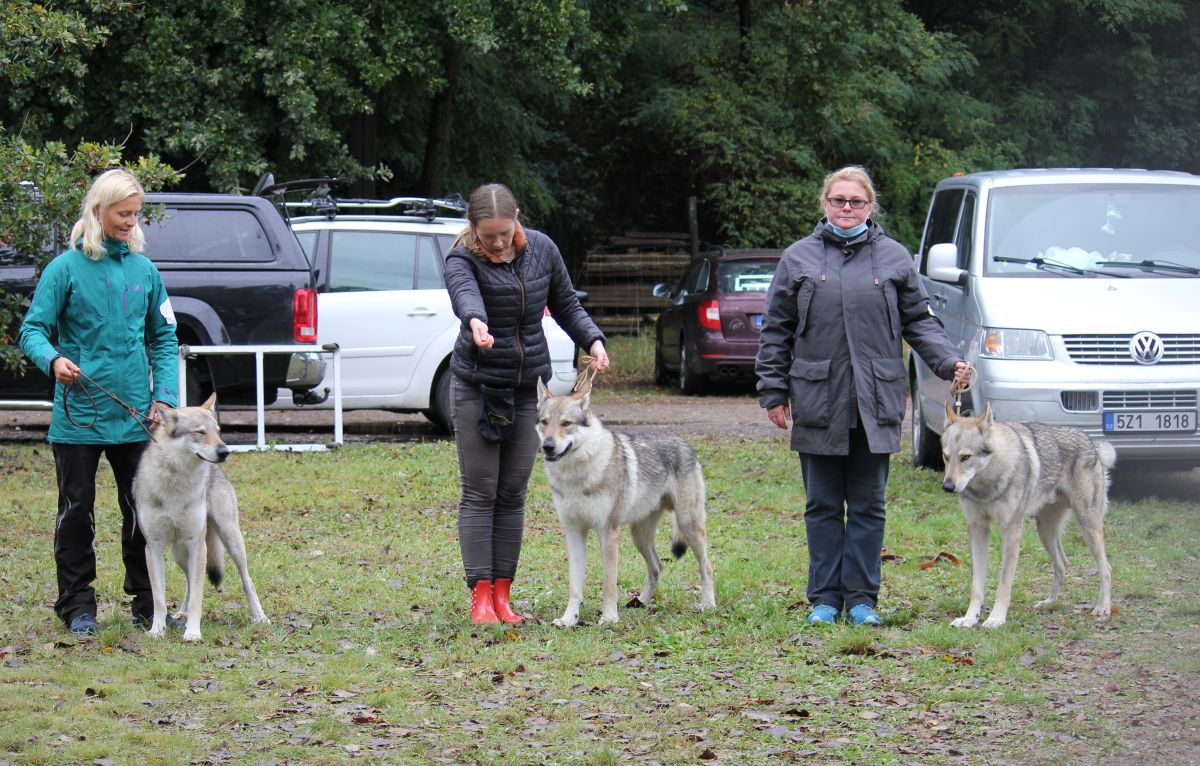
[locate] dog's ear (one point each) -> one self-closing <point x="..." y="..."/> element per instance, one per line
<point x="950" y="416"/>
<point x="167" y="416"/>
<point x="543" y="392"/>
<point x="210" y="402"/>
<point x="986" y="420"/>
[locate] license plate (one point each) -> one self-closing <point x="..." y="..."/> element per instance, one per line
<point x="758" y="321"/>
<point x="1123" y="422"/>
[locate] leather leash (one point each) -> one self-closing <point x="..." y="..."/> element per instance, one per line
<point x="137" y="416"/>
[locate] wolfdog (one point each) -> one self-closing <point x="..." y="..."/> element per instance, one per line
<point x="1007" y="472"/>
<point x="185" y="502"/>
<point x="602" y="480"/>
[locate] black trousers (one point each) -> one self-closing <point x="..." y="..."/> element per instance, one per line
<point x="75" y="527"/>
<point x="495" y="477"/>
<point x="844" y="519"/>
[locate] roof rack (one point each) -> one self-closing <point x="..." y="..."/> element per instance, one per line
<point x="423" y="207"/>
<point x="321" y="200"/>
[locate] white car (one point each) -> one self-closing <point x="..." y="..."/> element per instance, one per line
<point x="382" y="299"/>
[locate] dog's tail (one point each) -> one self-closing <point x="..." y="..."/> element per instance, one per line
<point x="214" y="563"/>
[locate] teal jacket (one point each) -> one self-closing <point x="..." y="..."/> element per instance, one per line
<point x="106" y="314"/>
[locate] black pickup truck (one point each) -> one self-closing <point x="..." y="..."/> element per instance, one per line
<point x="236" y="275"/>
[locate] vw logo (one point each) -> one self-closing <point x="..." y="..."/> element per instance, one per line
<point x="1146" y="348"/>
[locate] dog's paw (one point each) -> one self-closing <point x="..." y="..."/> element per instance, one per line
<point x="191" y="636"/>
<point x="965" y="622"/>
<point x="1044" y="603"/>
<point x="1102" y="612"/>
<point x="994" y="622"/>
<point x="608" y="618"/>
<point x="567" y="621"/>
<point x="264" y="620"/>
<point x="157" y="632"/>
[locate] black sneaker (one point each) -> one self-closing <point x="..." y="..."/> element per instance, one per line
<point x="83" y="625"/>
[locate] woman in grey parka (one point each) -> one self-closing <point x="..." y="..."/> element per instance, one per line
<point x="830" y="360"/>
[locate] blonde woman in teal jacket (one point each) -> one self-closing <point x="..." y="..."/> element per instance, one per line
<point x="105" y="303"/>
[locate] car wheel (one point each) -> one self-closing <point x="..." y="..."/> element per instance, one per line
<point x="661" y="378"/>
<point x="926" y="445"/>
<point x="439" y="413"/>
<point x="689" y="381"/>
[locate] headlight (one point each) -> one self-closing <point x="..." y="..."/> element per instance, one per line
<point x="1015" y="344"/>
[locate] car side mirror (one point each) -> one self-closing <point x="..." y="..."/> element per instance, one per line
<point x="942" y="264"/>
<point x="661" y="290"/>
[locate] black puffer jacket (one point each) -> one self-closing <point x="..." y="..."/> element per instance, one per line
<point x="511" y="299"/>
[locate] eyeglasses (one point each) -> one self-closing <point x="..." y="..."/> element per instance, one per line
<point x="857" y="204"/>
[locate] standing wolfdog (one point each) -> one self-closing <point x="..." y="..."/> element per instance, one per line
<point x="1007" y="472"/>
<point x="603" y="481"/>
<point x="185" y="502"/>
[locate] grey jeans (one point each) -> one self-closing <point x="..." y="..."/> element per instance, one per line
<point x="495" y="477"/>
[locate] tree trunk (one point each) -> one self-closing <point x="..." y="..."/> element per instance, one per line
<point x="441" y="121"/>
<point x="364" y="147"/>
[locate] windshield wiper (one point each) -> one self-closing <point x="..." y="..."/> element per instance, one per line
<point x="1041" y="263"/>
<point x="1152" y="265"/>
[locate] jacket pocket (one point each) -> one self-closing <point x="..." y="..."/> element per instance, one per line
<point x="889" y="390"/>
<point x="892" y="306"/>
<point x="810" y="393"/>
<point x="804" y="296"/>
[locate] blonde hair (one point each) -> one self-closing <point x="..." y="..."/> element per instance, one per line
<point x="490" y="201"/>
<point x="857" y="174"/>
<point x="108" y="189"/>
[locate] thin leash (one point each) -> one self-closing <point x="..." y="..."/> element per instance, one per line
<point x="137" y="416"/>
<point x="588" y="376"/>
<point x="957" y="388"/>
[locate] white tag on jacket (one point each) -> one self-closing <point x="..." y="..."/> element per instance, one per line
<point x="167" y="312"/>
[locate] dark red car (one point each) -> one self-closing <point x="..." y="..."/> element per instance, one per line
<point x="709" y="332"/>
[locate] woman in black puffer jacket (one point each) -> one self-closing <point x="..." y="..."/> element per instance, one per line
<point x="501" y="279"/>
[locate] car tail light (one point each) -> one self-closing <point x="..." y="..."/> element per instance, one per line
<point x="304" y="316"/>
<point x="710" y="315"/>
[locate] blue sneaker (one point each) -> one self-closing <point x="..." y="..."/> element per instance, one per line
<point x="83" y="625"/>
<point x="864" y="614"/>
<point x="822" y="614"/>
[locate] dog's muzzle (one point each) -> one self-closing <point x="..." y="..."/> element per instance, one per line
<point x="948" y="485"/>
<point x="222" y="453"/>
<point x="549" y="449"/>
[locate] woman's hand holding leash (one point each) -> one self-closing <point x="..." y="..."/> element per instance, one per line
<point x="65" y="371"/>
<point x="599" y="360"/>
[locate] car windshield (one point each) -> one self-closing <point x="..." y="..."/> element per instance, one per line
<point x="745" y="276"/>
<point x="1073" y="230"/>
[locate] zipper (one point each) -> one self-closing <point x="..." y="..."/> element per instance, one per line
<point x="520" y="321"/>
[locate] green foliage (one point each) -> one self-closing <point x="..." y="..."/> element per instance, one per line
<point x="41" y="188"/>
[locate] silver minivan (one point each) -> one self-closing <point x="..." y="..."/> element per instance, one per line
<point x="1076" y="295"/>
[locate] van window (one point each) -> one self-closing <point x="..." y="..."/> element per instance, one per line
<point x="1105" y="230"/>
<point x="226" y="236"/>
<point x="965" y="241"/>
<point x="372" y="260"/>
<point x="943" y="221"/>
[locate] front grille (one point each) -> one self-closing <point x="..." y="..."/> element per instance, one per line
<point x="1150" y="400"/>
<point x="1080" y="401"/>
<point x="1114" y="349"/>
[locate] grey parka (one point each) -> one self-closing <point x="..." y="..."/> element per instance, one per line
<point x="831" y="339"/>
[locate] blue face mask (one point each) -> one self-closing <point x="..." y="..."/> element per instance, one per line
<point x="849" y="233"/>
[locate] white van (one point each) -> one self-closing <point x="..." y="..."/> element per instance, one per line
<point x="1076" y="295"/>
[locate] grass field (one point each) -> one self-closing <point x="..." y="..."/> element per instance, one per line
<point x="370" y="657"/>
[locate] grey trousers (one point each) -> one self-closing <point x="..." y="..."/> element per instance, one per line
<point x="495" y="477"/>
<point x="844" y="520"/>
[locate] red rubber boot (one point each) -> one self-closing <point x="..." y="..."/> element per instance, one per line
<point x="482" y="611"/>
<point x="504" y="609"/>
